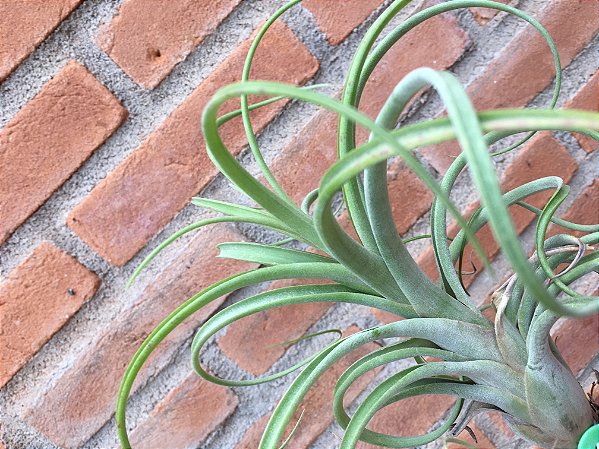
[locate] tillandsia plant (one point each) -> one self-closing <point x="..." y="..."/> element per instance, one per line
<point x="510" y="365"/>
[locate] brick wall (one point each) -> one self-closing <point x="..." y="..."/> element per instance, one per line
<point x="101" y="151"/>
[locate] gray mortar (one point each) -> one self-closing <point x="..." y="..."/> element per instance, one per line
<point x="76" y="38"/>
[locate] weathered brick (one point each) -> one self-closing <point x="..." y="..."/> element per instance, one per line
<point x="24" y="25"/>
<point x="251" y="438"/>
<point x="337" y="20"/>
<point x="437" y="43"/>
<point x="412" y="416"/>
<point x="409" y="197"/>
<point x="484" y="15"/>
<point x="49" y="139"/>
<point x="587" y="98"/>
<point x="317" y="404"/>
<point x="519" y="72"/>
<point x="95" y="375"/>
<point x="578" y="340"/>
<point x="36" y="299"/>
<point x="148" y="38"/>
<point x="186" y="415"/>
<point x="500" y="425"/>
<point x="256" y="342"/>
<point x="145" y="191"/>
<point x="542" y="156"/>
<point x="482" y="441"/>
<point x="299" y="173"/>
<point x="300" y="166"/>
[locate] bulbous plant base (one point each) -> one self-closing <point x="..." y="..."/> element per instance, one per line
<point x="558" y="405"/>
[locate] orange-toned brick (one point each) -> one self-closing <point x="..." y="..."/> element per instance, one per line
<point x="257" y="341"/>
<point x="337" y="20"/>
<point x="412" y="416"/>
<point x="484" y="15"/>
<point x="301" y="164"/>
<point x="251" y="438"/>
<point x="578" y="341"/>
<point x="49" y="139"/>
<point x="542" y="156"/>
<point x="147" y="38"/>
<point x="437" y="43"/>
<point x="186" y="415"/>
<point x="587" y="98"/>
<point x="24" y="25"/>
<point x="520" y="71"/>
<point x="145" y="191"/>
<point x="317" y="405"/>
<point x="583" y="210"/>
<point x="96" y="374"/>
<point x="500" y="424"/>
<point x="36" y="300"/>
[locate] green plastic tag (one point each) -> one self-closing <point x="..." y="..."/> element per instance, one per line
<point x="590" y="439"/>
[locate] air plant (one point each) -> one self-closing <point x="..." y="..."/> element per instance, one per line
<point x="511" y="365"/>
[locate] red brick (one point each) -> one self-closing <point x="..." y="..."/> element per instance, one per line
<point x="412" y="416"/>
<point x="255" y="342"/>
<point x="482" y="442"/>
<point x="145" y="191"/>
<point x="583" y="210"/>
<point x="542" y="156"/>
<point x="500" y="424"/>
<point x="578" y="341"/>
<point x="484" y="15"/>
<point x="24" y="25"/>
<point x="48" y="275"/>
<point x="317" y="404"/>
<point x="95" y="375"/>
<point x="299" y="173"/>
<point x="49" y="139"/>
<point x="587" y="98"/>
<point x="410" y="199"/>
<point x="186" y="416"/>
<point x="300" y="166"/>
<point x="385" y="317"/>
<point x="437" y="43"/>
<point x="251" y="438"/>
<point x="148" y="38"/>
<point x="337" y="20"/>
<point x="525" y="67"/>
